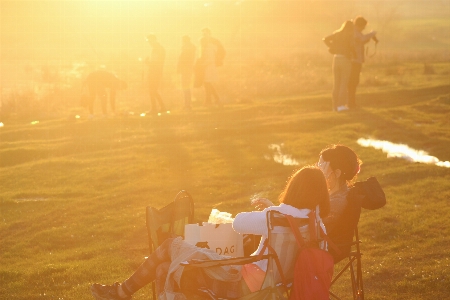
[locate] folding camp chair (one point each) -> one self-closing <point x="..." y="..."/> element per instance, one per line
<point x="280" y="260"/>
<point x="365" y="194"/>
<point x="168" y="221"/>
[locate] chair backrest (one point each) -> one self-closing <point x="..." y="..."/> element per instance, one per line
<point x="282" y="240"/>
<point x="170" y="220"/>
<point x="343" y="229"/>
<point x="364" y="194"/>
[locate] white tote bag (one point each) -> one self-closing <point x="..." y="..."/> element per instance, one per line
<point x="218" y="237"/>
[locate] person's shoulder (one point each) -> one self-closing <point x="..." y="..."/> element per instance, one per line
<point x="330" y="36"/>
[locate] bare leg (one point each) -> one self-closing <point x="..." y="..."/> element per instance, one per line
<point x="147" y="271"/>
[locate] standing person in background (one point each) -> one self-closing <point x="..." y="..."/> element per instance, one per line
<point x="341" y="44"/>
<point x="155" y="72"/>
<point x="360" y="40"/>
<point x="212" y="55"/>
<point x="185" y="68"/>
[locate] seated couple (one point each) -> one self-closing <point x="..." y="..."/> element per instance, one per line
<point x="309" y="188"/>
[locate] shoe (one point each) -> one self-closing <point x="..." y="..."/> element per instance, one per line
<point x="342" y="108"/>
<point x="106" y="292"/>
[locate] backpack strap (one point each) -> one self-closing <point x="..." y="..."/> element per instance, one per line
<point x="298" y="236"/>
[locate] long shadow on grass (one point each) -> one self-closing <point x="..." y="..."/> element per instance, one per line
<point x="171" y="148"/>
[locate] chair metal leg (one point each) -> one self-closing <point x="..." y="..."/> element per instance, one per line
<point x="334" y="296"/>
<point x="354" y="284"/>
<point x="153" y="291"/>
<point x="343" y="270"/>
<point x="359" y="279"/>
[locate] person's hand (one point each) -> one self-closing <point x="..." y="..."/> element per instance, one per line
<point x="261" y="203"/>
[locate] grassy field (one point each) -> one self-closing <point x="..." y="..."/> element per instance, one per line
<point x="73" y="191"/>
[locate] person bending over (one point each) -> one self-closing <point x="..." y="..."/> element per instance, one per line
<point x="99" y="83"/>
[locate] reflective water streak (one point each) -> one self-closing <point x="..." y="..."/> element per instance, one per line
<point x="37" y="199"/>
<point x="280" y="157"/>
<point x="403" y="151"/>
<point x="1" y="124"/>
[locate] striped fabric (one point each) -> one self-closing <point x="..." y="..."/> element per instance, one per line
<point x="282" y="240"/>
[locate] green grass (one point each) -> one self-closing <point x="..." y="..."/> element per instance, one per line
<point x="73" y="192"/>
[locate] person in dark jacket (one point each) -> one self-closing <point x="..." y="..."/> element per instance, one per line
<point x="341" y="44"/>
<point x="100" y="83"/>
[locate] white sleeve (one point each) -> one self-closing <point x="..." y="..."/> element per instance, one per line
<point x="364" y="38"/>
<point x="251" y="223"/>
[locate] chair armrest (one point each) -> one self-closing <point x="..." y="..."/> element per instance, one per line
<point x="207" y="263"/>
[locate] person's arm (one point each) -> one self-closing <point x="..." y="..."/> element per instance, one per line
<point x="365" y="38"/>
<point x="262" y="203"/>
<point x="251" y="223"/>
<point x="328" y="40"/>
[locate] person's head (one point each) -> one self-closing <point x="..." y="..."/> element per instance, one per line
<point x="307" y="188"/>
<point x="360" y="23"/>
<point x="346" y="28"/>
<point x="151" y="39"/>
<point x="340" y="165"/>
<point x="206" y="32"/>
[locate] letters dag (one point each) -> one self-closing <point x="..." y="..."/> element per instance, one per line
<point x="220" y="238"/>
<point x="219" y="250"/>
